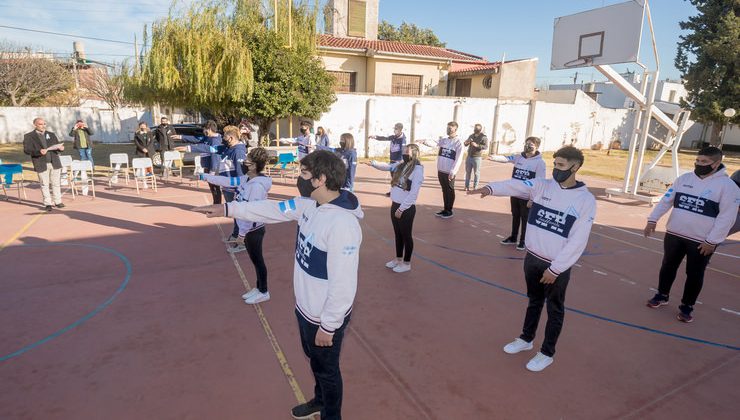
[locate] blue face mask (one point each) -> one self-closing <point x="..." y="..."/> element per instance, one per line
<point x="561" y="175"/>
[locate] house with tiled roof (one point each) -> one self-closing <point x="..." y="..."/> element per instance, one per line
<point x="351" y="51"/>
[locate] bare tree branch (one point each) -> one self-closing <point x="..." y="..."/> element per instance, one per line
<point x="26" y="79"/>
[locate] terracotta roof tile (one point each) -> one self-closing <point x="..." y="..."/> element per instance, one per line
<point x="399" y="48"/>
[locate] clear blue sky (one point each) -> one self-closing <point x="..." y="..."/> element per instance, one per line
<point x="520" y="29"/>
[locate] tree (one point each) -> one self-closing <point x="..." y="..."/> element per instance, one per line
<point x="408" y="33"/>
<point x="107" y="83"/>
<point x="709" y="60"/>
<point x="26" y="79"/>
<point x="278" y="75"/>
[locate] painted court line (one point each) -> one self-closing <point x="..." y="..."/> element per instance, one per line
<point x="730" y="311"/>
<point x="600" y="272"/>
<point x="21" y="231"/>
<point x="660" y="240"/>
<point x="279" y="354"/>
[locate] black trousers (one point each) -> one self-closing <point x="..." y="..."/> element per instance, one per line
<point x="229" y="196"/>
<point x="216" y="193"/>
<point x="253" y="242"/>
<point x="519" y="215"/>
<point x="538" y="294"/>
<point x="448" y="190"/>
<point x="675" y="248"/>
<point x="325" y="367"/>
<point x="402" y="228"/>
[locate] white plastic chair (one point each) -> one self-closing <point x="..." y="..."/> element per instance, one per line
<point x="144" y="171"/>
<point x="82" y="177"/>
<point x="172" y="163"/>
<point x="197" y="170"/>
<point x="66" y="161"/>
<point x="117" y="162"/>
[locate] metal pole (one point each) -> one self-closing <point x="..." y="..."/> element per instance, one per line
<point x="633" y="135"/>
<point x="644" y="130"/>
<point x="652" y="36"/>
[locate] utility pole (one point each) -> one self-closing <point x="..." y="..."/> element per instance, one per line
<point x="575" y="79"/>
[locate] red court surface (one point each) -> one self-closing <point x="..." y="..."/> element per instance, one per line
<point x="128" y="307"/>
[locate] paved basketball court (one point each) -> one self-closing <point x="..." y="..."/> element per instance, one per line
<point x="128" y="307"/>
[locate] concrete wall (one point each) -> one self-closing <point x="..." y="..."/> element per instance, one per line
<point x="386" y="67"/>
<point x="518" y="80"/>
<point x="108" y="128"/>
<point x="348" y="63"/>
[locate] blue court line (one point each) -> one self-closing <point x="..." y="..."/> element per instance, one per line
<point x="92" y="313"/>
<point x="578" y="311"/>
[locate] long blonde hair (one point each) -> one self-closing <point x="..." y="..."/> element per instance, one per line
<point x="405" y="169"/>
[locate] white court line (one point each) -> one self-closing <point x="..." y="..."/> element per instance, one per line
<point x="500" y="236"/>
<point x="487" y="231"/>
<point x="578" y="265"/>
<point x="474" y="226"/>
<point x="730" y="311"/>
<point x="628" y="281"/>
<point x="660" y="240"/>
<point x="600" y="272"/>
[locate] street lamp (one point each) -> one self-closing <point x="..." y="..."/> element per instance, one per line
<point x="729" y="113"/>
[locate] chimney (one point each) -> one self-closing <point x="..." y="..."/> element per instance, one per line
<point x="79" y="50"/>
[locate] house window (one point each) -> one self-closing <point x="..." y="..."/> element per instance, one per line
<point x="344" y="81"/>
<point x="405" y="84"/>
<point x="356" y="21"/>
<point x="672" y="96"/>
<point x="462" y="87"/>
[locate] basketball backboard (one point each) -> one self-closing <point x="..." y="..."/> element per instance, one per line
<point x="607" y="35"/>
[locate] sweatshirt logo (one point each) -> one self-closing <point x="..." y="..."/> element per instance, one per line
<point x="694" y="204"/>
<point x="447" y="153"/>
<point x="311" y="259"/>
<point x="522" y="174"/>
<point x="551" y="220"/>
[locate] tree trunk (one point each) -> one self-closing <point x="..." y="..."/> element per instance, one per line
<point x="715" y="139"/>
<point x="264" y="124"/>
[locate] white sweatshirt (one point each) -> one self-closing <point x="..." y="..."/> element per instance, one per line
<point x="327" y="252"/>
<point x="450" y="154"/>
<point x="704" y="210"/>
<point x="407" y="191"/>
<point x="524" y="167"/>
<point x="247" y="189"/>
<point x="559" y="221"/>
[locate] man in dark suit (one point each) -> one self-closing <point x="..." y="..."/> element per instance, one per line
<point x="165" y="135"/>
<point x="44" y="147"/>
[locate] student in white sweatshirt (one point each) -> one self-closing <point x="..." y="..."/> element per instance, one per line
<point x="527" y="165"/>
<point x="251" y="187"/>
<point x="449" y="159"/>
<point x="325" y="269"/>
<point x="408" y="175"/>
<point x="559" y="221"/>
<point x="705" y="204"/>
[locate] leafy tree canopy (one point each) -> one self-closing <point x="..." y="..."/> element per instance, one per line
<point x="408" y="33"/>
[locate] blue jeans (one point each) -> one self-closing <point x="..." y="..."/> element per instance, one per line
<point x="325" y="367"/>
<point x="86" y="154"/>
<point x="472" y="164"/>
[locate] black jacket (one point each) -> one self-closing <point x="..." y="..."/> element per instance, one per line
<point x="73" y="133"/>
<point x="32" y="146"/>
<point x="164" y="134"/>
<point x="144" y="141"/>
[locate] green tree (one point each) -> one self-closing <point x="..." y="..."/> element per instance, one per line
<point x="709" y="59"/>
<point x="408" y="33"/>
<point x="238" y="58"/>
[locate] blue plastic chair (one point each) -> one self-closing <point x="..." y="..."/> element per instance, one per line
<point x="7" y="171"/>
<point x="285" y="159"/>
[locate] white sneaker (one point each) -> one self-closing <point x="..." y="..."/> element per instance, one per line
<point x="392" y="263"/>
<point x="402" y="268"/>
<point x="517" y="345"/>
<point x="539" y="362"/>
<point x="257" y="298"/>
<point x="250" y="293"/>
<point x="236" y="248"/>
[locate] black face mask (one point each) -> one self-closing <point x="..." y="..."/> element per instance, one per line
<point x="245" y="167"/>
<point x="560" y="175"/>
<point x="305" y="187"/>
<point x="406" y="158"/>
<point x="342" y="145"/>
<point x="528" y="149"/>
<point x="702" y="170"/>
<point x="304" y="131"/>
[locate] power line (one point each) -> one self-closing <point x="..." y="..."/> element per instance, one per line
<point x="69" y="35"/>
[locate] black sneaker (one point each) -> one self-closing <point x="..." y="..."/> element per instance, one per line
<point x="447" y="214"/>
<point x="684" y="313"/>
<point x="60" y="205"/>
<point x="658" y="300"/>
<point x="439" y="213"/>
<point x="47" y="208"/>
<point x="508" y="241"/>
<point x="520" y="246"/>
<point x="305" y="411"/>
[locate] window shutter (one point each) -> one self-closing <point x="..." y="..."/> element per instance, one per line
<point x="356" y="24"/>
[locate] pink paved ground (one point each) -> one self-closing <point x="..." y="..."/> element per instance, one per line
<point x="177" y="342"/>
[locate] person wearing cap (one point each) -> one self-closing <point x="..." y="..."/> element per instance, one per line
<point x="82" y="142"/>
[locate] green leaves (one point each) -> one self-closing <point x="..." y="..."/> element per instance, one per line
<point x="408" y="33"/>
